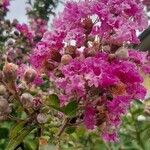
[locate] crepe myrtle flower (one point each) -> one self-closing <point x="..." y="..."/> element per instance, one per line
<point x="87" y="60"/>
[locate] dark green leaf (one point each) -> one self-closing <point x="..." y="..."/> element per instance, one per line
<point x="4" y="132"/>
<point x="70" y="130"/>
<point x="54" y="100"/>
<point x="31" y="145"/>
<point x="14" y="142"/>
<point x="71" y="108"/>
<point x="14" y="131"/>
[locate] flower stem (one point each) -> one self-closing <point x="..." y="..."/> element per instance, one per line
<point x="62" y="128"/>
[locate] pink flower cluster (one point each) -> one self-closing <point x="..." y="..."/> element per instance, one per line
<point x="38" y="26"/>
<point x="114" y="21"/>
<point x="25" y="31"/>
<point x="5" y="4"/>
<point x="101" y="85"/>
<point x="86" y="60"/>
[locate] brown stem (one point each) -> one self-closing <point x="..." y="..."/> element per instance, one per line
<point x="64" y="125"/>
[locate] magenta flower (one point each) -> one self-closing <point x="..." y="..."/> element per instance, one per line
<point x="86" y="60"/>
<point x="89" y="117"/>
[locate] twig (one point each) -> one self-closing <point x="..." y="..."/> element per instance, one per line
<point x="64" y="125"/>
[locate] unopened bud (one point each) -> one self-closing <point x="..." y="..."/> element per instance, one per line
<point x="15" y="22"/>
<point x="65" y="59"/>
<point x="55" y="55"/>
<point x="49" y="65"/>
<point x="122" y="53"/>
<point x="10" y="71"/>
<point x="3" y="117"/>
<point x="71" y="50"/>
<point x="36" y="103"/>
<point x="42" y="118"/>
<point x="1" y="75"/>
<point x="8" y="22"/>
<point x="16" y="34"/>
<point x="10" y="42"/>
<point x="3" y="105"/>
<point x="111" y="56"/>
<point x="29" y="75"/>
<point x="87" y="24"/>
<point x="2" y="90"/>
<point x="22" y="87"/>
<point x="88" y="52"/>
<point x="26" y="100"/>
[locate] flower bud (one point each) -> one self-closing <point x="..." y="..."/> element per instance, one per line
<point x="26" y="100"/>
<point x="1" y="75"/>
<point x="49" y="65"/>
<point x="88" y="52"/>
<point x="55" y="55"/>
<point x="71" y="50"/>
<point x="4" y="105"/>
<point x="65" y="59"/>
<point x="22" y="87"/>
<point x="36" y="103"/>
<point x="87" y="24"/>
<point x="3" y="117"/>
<point x="29" y="75"/>
<point x="10" y="71"/>
<point x="10" y="42"/>
<point x="8" y="22"/>
<point x="122" y="53"/>
<point x="111" y="56"/>
<point x="42" y="118"/>
<point x="2" y="90"/>
<point x="15" y="22"/>
<point x="16" y="34"/>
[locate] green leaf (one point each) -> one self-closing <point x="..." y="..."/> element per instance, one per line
<point x="14" y="142"/>
<point x="70" y="130"/>
<point x="4" y="132"/>
<point x="54" y="100"/>
<point x="71" y="108"/>
<point x="14" y="131"/>
<point x="31" y="145"/>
